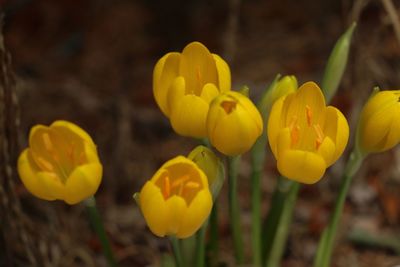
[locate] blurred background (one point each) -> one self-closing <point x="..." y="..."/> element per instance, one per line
<point x="91" y="62"/>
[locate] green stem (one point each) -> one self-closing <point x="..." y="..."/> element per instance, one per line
<point x="213" y="245"/>
<point x="177" y="251"/>
<point x="279" y="220"/>
<point x="98" y="227"/>
<point x="200" y="246"/>
<point x="325" y="245"/>
<point x="256" y="215"/>
<point x="234" y="214"/>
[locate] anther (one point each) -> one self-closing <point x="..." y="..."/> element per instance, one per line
<point x="295" y="134"/>
<point x="180" y="181"/>
<point x="47" y="142"/>
<point x="192" y="185"/>
<point x="320" y="135"/>
<point x="167" y="187"/>
<point x="309" y="115"/>
<point x="47" y="166"/>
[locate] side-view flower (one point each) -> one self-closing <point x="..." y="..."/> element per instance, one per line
<point x="176" y="200"/>
<point x="379" y="124"/>
<point x="61" y="162"/>
<point x="185" y="83"/>
<point x="305" y="136"/>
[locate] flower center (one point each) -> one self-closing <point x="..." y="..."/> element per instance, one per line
<point x="56" y="156"/>
<point x="184" y="186"/>
<point x="306" y="134"/>
<point x="228" y="106"/>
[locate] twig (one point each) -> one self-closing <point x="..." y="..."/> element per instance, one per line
<point x="394" y="18"/>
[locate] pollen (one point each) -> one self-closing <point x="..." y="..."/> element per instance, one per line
<point x="167" y="187"/>
<point x="47" y="142"/>
<point x="320" y="135"/>
<point x="309" y="115"/>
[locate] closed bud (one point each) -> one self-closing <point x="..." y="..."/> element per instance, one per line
<point x="379" y="124"/>
<point x="233" y="123"/>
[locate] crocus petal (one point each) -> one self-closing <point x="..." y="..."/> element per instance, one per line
<point x="83" y="183"/>
<point x="197" y="66"/>
<point x="337" y="128"/>
<point x="52" y="184"/>
<point x="188" y="118"/>
<point x="196" y="214"/>
<point x="393" y="137"/>
<point x="154" y="209"/>
<point x="209" y="92"/>
<point x="224" y="74"/>
<point x="28" y="170"/>
<point x="283" y="141"/>
<point x="309" y="94"/>
<point x="302" y="166"/>
<point x="69" y="129"/>
<point x="176" y="92"/>
<point x="327" y="151"/>
<point x="176" y="207"/>
<point x="166" y="70"/>
<point x="275" y="123"/>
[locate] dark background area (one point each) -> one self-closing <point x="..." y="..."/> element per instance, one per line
<point x="91" y="62"/>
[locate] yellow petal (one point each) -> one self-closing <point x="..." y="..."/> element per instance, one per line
<point x="83" y="183"/>
<point x="302" y="166"/>
<point x="175" y="93"/>
<point x="337" y="128"/>
<point x="309" y="94"/>
<point x="176" y="207"/>
<point x="196" y="214"/>
<point x="283" y="142"/>
<point x="198" y="67"/>
<point x="327" y="151"/>
<point x="393" y="137"/>
<point x="27" y="171"/>
<point x="52" y="184"/>
<point x="224" y="74"/>
<point x="70" y="130"/>
<point x="275" y="124"/>
<point x="165" y="72"/>
<point x="188" y="118"/>
<point x="209" y="92"/>
<point x="153" y="207"/>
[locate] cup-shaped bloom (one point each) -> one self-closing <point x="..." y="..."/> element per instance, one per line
<point x="306" y="136"/>
<point x="176" y="200"/>
<point x="185" y="83"/>
<point x="233" y="123"/>
<point x="379" y="124"/>
<point x="61" y="163"/>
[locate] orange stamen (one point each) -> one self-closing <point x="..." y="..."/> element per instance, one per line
<point x="228" y="106"/>
<point x="47" y="142"/>
<point x="320" y="135"/>
<point x="309" y="115"/>
<point x="44" y="164"/>
<point x="180" y="181"/>
<point x="295" y="134"/>
<point x="167" y="187"/>
<point x="192" y="185"/>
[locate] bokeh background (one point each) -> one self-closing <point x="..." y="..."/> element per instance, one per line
<point x="91" y="62"/>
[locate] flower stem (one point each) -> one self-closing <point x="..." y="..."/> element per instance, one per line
<point x="279" y="220"/>
<point x="213" y="246"/>
<point x="177" y="251"/>
<point x="325" y="246"/>
<point x="98" y="227"/>
<point x="234" y="215"/>
<point x="200" y="246"/>
<point x="256" y="215"/>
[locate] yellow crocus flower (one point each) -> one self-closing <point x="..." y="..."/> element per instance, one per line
<point x="61" y="162"/>
<point x="379" y="125"/>
<point x="176" y="200"/>
<point x="185" y="83"/>
<point x="233" y="123"/>
<point x="306" y="136"/>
